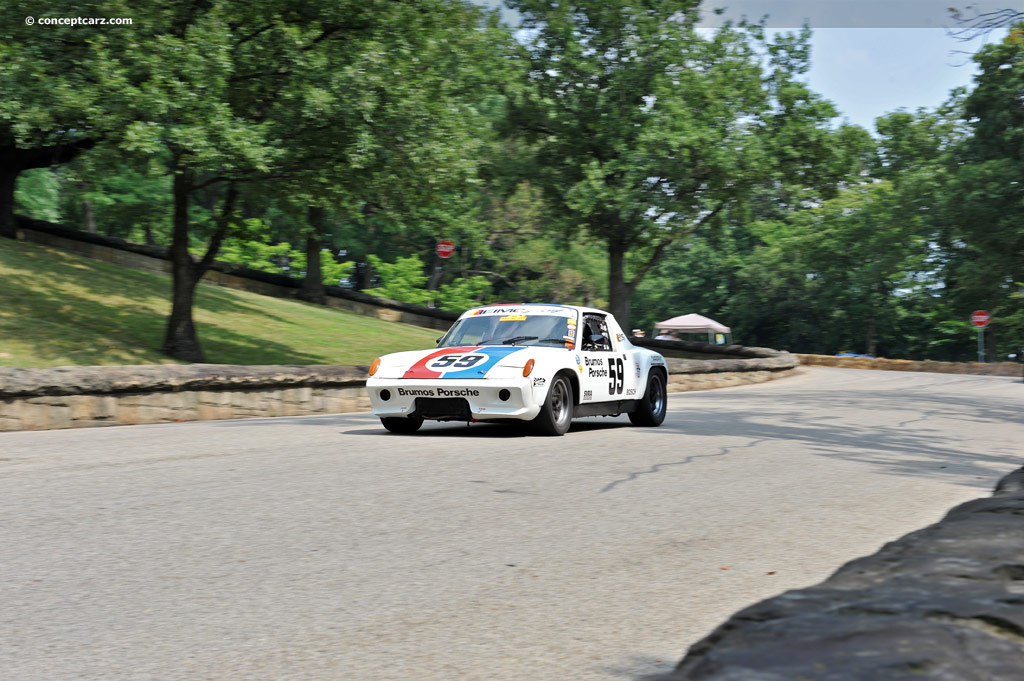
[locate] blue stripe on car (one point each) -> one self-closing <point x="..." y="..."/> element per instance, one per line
<point x="494" y="355"/>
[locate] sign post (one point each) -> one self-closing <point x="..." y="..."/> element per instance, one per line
<point x="980" y="319"/>
<point x="445" y="249"/>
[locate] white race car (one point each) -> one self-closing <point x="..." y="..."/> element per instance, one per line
<point x="533" y="362"/>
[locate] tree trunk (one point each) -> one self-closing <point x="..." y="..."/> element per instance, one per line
<point x="992" y="342"/>
<point x="180" y="340"/>
<point x="8" y="181"/>
<point x="366" y="279"/>
<point x="313" y="283"/>
<point x="870" y="333"/>
<point x="618" y="288"/>
<point x="434" y="282"/>
<point x="88" y="216"/>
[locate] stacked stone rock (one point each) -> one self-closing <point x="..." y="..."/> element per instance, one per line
<point x="945" y="603"/>
<point x="76" y="397"/>
<point x="79" y="397"/>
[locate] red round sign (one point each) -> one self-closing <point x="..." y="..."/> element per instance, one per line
<point x="980" y="318"/>
<point x="445" y="248"/>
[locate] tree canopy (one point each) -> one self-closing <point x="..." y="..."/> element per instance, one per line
<point x="603" y="152"/>
<point x="646" y="130"/>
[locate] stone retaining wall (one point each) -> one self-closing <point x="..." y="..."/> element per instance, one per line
<point x="728" y="365"/>
<point x="945" y="603"/>
<point x="680" y="383"/>
<point x="81" y="397"/>
<point x="977" y="368"/>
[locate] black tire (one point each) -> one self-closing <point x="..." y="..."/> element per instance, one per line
<point x="401" y="424"/>
<point x="555" y="416"/>
<point x="650" y="410"/>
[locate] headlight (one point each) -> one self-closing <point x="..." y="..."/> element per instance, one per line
<point x="375" y="366"/>
<point x="528" y="369"/>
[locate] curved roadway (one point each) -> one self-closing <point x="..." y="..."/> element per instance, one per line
<point x="325" y="549"/>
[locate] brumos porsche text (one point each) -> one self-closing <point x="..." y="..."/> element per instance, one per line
<point x="595" y="367"/>
<point x="439" y="392"/>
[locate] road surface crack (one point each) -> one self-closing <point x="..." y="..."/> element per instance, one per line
<point x="656" y="468"/>
<point x="923" y="417"/>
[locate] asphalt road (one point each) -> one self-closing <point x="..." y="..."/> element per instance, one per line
<point x="326" y="549"/>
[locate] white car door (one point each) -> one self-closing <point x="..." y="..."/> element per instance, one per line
<point x="606" y="373"/>
<point x="630" y="371"/>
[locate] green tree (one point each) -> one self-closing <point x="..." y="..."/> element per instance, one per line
<point x="52" y="99"/>
<point x="402" y="280"/>
<point x="102" y="193"/>
<point x="646" y="131"/>
<point x="38" y="194"/>
<point x="328" y="103"/>
<point x="986" y="195"/>
<point x="854" y="258"/>
<point x="385" y="128"/>
<point x="181" y="92"/>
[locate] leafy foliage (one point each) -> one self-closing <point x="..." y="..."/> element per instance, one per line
<point x="646" y="130"/>
<point x="464" y="293"/>
<point x="402" y="280"/>
<point x="612" y="155"/>
<point x="38" y="194"/>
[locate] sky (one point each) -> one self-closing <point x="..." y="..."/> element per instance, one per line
<point x="867" y="72"/>
<point x="870" y="57"/>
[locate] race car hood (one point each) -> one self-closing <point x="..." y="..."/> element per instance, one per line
<point x="464" y="362"/>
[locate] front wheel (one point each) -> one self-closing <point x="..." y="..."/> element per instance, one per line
<point x="556" y="414"/>
<point x="401" y="424"/>
<point x="650" y="411"/>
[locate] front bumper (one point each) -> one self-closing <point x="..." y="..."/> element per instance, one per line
<point x="439" y="399"/>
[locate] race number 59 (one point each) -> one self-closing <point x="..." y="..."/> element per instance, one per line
<point x="455" y="362"/>
<point x="615" y="372"/>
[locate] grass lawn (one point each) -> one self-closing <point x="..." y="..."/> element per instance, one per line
<point x="59" y="309"/>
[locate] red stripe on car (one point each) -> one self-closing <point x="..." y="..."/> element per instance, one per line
<point x="420" y="370"/>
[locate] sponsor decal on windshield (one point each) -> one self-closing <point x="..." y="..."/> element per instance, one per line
<point x="531" y="310"/>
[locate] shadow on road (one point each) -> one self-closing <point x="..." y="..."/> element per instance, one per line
<point x="931" y="429"/>
<point x="515" y="429"/>
<point x="907" y="429"/>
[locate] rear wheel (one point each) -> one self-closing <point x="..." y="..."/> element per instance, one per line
<point x="401" y="424"/>
<point x="556" y="414"/>
<point x="650" y="410"/>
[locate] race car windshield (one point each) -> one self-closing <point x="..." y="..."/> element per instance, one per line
<point x="543" y="330"/>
